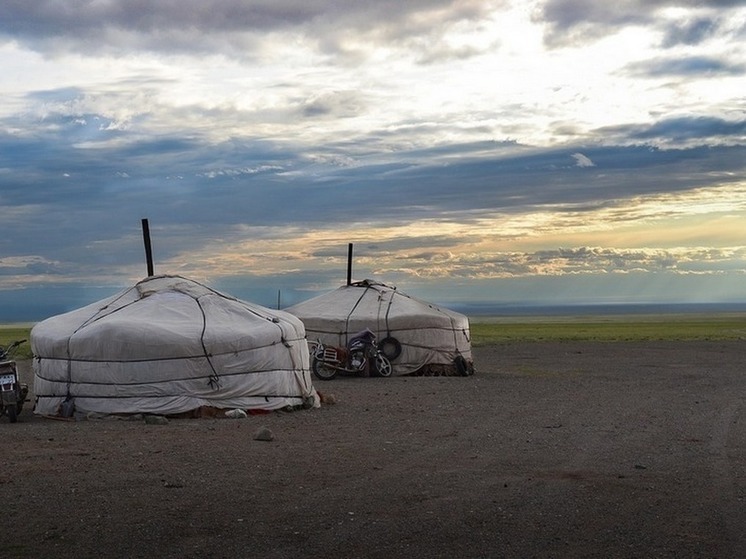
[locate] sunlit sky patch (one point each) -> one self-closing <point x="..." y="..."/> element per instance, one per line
<point x="473" y="151"/>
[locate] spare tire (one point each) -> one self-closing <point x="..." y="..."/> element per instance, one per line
<point x="390" y="347"/>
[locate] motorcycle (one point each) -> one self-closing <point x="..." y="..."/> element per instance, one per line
<point x="361" y="356"/>
<point x="12" y="392"/>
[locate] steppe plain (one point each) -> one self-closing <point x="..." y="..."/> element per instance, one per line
<point x="559" y="449"/>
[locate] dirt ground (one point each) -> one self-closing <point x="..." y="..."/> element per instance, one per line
<point x="562" y="450"/>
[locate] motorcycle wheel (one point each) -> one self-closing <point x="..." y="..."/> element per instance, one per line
<point x="322" y="370"/>
<point x="382" y="366"/>
<point x="10" y="410"/>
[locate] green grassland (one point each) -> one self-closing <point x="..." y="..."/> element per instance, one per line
<point x="11" y="333"/>
<point x="673" y="327"/>
<point x="490" y="330"/>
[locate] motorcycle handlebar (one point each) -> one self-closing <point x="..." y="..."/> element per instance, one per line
<point x="5" y="352"/>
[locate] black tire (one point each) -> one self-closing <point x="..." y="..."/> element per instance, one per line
<point x="382" y="366"/>
<point x="10" y="409"/>
<point x="390" y="347"/>
<point x="322" y="370"/>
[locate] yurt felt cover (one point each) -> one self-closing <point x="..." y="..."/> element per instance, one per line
<point x="169" y="345"/>
<point x="427" y="334"/>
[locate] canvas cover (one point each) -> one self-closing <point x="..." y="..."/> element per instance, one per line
<point x="169" y="345"/>
<point x="428" y="335"/>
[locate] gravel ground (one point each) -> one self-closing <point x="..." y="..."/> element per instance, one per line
<point x="550" y="450"/>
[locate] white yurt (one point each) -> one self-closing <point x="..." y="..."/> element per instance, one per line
<point x="417" y="337"/>
<point x="169" y="345"/>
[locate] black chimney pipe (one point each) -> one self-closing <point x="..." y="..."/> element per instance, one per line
<point x="148" y="249"/>
<point x="349" y="264"/>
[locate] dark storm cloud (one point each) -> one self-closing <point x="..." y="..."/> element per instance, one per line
<point x="68" y="181"/>
<point x="415" y="191"/>
<point x="690" y="32"/>
<point x="44" y="18"/>
<point x="548" y="176"/>
<point x="692" y="66"/>
<point x="577" y="21"/>
<point x="684" y="129"/>
<point x="221" y="25"/>
<point x="204" y="182"/>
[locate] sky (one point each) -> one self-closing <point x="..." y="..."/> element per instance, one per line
<point x="473" y="152"/>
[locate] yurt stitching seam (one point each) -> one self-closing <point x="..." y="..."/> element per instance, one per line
<point x="214" y="379"/>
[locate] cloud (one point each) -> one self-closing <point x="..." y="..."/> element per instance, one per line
<point x="580" y="21"/>
<point x="690" y="32"/>
<point x="691" y="66"/>
<point x="471" y="246"/>
<point x="583" y="260"/>
<point x="18" y="266"/>
<point x="116" y="178"/>
<point x="334" y="104"/>
<point x="232" y="27"/>
<point x="582" y="160"/>
<point x="686" y="128"/>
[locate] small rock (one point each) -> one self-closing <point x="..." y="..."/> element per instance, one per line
<point x="264" y="434"/>
<point x="236" y="414"/>
<point x="327" y="399"/>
